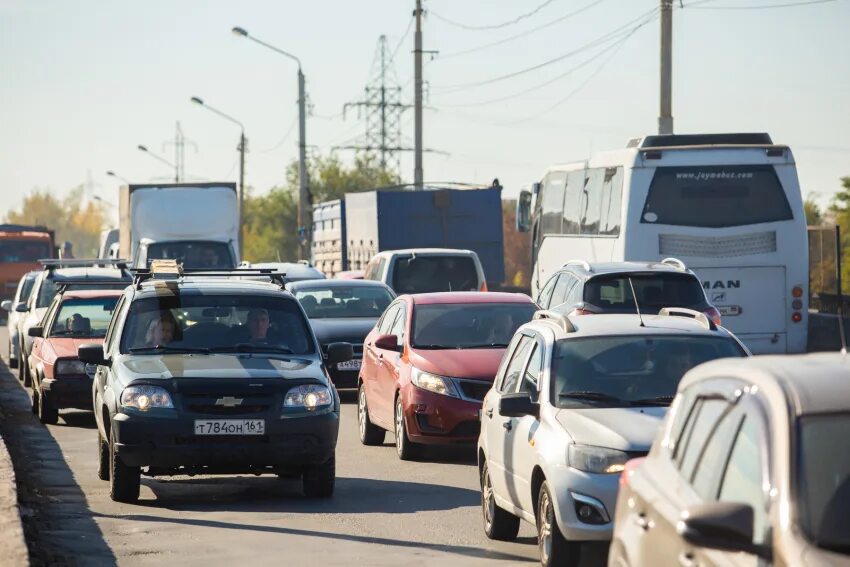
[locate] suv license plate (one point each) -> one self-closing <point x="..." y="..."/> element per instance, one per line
<point x="230" y="427"/>
<point x="349" y="365"/>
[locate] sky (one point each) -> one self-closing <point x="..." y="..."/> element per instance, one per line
<point x="83" y="82"/>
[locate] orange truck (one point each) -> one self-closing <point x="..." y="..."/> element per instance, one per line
<point x="21" y="247"/>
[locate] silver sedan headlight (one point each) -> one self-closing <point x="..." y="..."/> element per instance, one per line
<point x="600" y="460"/>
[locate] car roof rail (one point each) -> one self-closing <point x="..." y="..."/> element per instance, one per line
<point x="51" y="264"/>
<point x="583" y="263"/>
<point x="175" y="271"/>
<point x="676" y="263"/>
<point x="698" y="316"/>
<point x="559" y="319"/>
<point x="62" y="287"/>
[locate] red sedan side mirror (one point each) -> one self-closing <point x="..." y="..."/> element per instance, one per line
<point x="387" y="342"/>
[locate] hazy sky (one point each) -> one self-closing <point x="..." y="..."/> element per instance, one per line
<point x="83" y="82"/>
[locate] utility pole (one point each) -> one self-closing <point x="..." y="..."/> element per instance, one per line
<point x="305" y="218"/>
<point x="417" y="168"/>
<point x="242" y="150"/>
<point x="180" y="142"/>
<point x="665" y="117"/>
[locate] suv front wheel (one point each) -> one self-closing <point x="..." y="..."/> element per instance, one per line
<point x="554" y="548"/>
<point x="124" y="480"/>
<point x="498" y="523"/>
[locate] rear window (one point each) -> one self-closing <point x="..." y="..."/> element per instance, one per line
<point x="428" y="274"/>
<point x="715" y="196"/>
<point x="468" y="325"/>
<point x="653" y="291"/>
<point x="83" y="317"/>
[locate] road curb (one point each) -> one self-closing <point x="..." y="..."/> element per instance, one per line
<point x="13" y="547"/>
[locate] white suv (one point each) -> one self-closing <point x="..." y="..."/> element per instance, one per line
<point x="573" y="400"/>
<point x="427" y="270"/>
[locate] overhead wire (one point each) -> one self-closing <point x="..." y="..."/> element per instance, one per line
<point x="696" y="5"/>
<point x="285" y="137"/>
<point x="505" y="24"/>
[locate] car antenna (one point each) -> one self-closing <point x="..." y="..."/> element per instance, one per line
<point x="637" y="307"/>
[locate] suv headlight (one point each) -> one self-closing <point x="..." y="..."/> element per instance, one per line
<point x="146" y="397"/>
<point x="433" y="383"/>
<point x="308" y="396"/>
<point x="600" y="460"/>
<point x="70" y="367"/>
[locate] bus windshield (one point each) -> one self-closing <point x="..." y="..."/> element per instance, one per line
<point x="716" y="196"/>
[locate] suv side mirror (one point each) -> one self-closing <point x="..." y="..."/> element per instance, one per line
<point x="22" y="307"/>
<point x="339" y="352"/>
<point x="726" y="526"/>
<point x="92" y="354"/>
<point x="523" y="211"/>
<point x="35" y="331"/>
<point x="6" y="305"/>
<point x="518" y="405"/>
<point x="387" y="342"/>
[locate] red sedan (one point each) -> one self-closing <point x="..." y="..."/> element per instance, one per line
<point x="60" y="379"/>
<point x="428" y="364"/>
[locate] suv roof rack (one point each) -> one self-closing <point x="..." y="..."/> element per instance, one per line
<point x="698" y="316"/>
<point x="62" y="287"/>
<point x="583" y="263"/>
<point x="175" y="271"/>
<point x="559" y="319"/>
<point x="676" y="263"/>
<point x="51" y="264"/>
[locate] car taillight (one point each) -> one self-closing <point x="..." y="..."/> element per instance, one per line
<point x="797" y="303"/>
<point x="796" y="316"/>
<point x="713" y="314"/>
<point x="629" y="470"/>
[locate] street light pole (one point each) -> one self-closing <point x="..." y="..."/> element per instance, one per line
<point x="116" y="176"/>
<point x="305" y="218"/>
<point x="242" y="149"/>
<point x="163" y="160"/>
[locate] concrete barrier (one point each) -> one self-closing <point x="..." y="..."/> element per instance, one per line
<point x="13" y="548"/>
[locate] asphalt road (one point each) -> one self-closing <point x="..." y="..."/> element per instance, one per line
<point x="384" y="511"/>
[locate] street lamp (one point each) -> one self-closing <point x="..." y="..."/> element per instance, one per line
<point x="163" y="160"/>
<point x="304" y="217"/>
<point x="116" y="176"/>
<point x="241" y="148"/>
<point x="100" y="199"/>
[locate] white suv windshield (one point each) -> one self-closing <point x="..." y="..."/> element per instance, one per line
<point x="217" y="323"/>
<point x="629" y="370"/>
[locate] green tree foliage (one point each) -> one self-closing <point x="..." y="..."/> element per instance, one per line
<point x="271" y="228"/>
<point x="814" y="215"/>
<point x="73" y="218"/>
<point x="841" y="209"/>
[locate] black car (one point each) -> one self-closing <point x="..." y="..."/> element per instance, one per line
<point x="343" y="311"/>
<point x="612" y="287"/>
<point x="201" y="374"/>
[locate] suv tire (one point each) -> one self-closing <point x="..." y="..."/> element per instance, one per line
<point x="554" y="548"/>
<point x="370" y="434"/>
<point x="48" y="414"/>
<point x="123" y="480"/>
<point x="499" y="524"/>
<point x="406" y="449"/>
<point x="318" y="481"/>
<point x="102" y="457"/>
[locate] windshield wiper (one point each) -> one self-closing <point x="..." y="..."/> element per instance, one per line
<point x="490" y="345"/>
<point x="248" y="347"/>
<point x="434" y="347"/>
<point x="592" y="396"/>
<point x="656" y="401"/>
<point x="166" y="348"/>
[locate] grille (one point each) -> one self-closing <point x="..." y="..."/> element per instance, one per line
<point x="356" y="344"/>
<point x="212" y="409"/>
<point x="474" y="389"/>
<point x="717" y="247"/>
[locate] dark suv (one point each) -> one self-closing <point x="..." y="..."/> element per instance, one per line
<point x="605" y="288"/>
<point x="202" y="374"/>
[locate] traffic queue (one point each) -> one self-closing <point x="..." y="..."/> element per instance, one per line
<point x="607" y="408"/>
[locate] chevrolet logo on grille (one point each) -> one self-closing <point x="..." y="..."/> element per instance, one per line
<point x="229" y="402"/>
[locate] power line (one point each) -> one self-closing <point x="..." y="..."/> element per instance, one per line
<point x="283" y="139"/>
<point x="695" y="5"/>
<point x="521" y="34"/>
<point x="511" y="22"/>
<point x="401" y="41"/>
<point x="622" y="30"/>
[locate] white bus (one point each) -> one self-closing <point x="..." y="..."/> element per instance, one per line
<point x="729" y="205"/>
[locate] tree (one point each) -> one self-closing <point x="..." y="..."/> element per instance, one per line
<point x="517" y="248"/>
<point x="814" y="216"/>
<point x="73" y="218"/>
<point x="841" y="209"/>
<point x="271" y="227"/>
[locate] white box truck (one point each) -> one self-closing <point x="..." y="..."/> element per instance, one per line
<point x="196" y="224"/>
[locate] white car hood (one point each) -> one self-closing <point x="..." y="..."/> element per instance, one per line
<point x="626" y="429"/>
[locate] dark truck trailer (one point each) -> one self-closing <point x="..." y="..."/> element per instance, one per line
<point x="348" y="232"/>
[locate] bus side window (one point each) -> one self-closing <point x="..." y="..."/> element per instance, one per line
<point x="572" y="201"/>
<point x="612" y="195"/>
<point x="552" y="200"/>
<point x="592" y="202"/>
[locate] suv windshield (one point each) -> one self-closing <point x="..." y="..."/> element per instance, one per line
<point x="221" y="323"/>
<point x="468" y="325"/>
<point x="344" y="301"/>
<point x="715" y="196"/>
<point x="428" y="274"/>
<point x="629" y="370"/>
<point x="12" y="251"/>
<point x="193" y="255"/>
<point x="83" y="317"/>
<point x="823" y="494"/>
<point x="654" y="291"/>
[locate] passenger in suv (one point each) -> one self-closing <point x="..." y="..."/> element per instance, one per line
<point x="224" y="392"/>
<point x="427" y="270"/>
<point x="604" y="288"/>
<point x="574" y="399"/>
